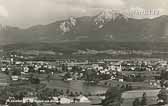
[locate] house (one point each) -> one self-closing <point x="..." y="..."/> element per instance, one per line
<point x="3" y="69"/>
<point x="69" y="68"/>
<point x="26" y="69"/>
<point x="19" y="63"/>
<point x="24" y="77"/>
<point x="9" y="99"/>
<point x="82" y="99"/>
<point x="42" y="71"/>
<point x="64" y="100"/>
<point x="15" y="77"/>
<point x="121" y="80"/>
<point x="55" y="98"/>
<point x="69" y="79"/>
<point x="102" y="97"/>
<point x="29" y="99"/>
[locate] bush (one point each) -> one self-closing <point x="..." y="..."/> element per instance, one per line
<point x="35" y="81"/>
<point x="136" y="102"/>
<point x="144" y="99"/>
<point x="113" y="97"/>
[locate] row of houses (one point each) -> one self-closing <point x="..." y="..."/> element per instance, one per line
<point x="58" y="100"/>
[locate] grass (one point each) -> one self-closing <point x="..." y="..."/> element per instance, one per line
<point x="128" y="102"/>
<point x="75" y="86"/>
<point x="129" y="96"/>
<point x="135" y="85"/>
<point x="139" y="93"/>
<point x="4" y="79"/>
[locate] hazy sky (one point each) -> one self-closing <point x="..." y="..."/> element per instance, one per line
<point x="25" y="13"/>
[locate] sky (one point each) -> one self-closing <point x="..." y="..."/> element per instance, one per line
<point x="26" y="13"/>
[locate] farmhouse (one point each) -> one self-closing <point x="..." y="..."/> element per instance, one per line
<point x="82" y="99"/>
<point x="3" y="69"/>
<point x="15" y="77"/>
<point x="29" y="99"/>
<point x="64" y="100"/>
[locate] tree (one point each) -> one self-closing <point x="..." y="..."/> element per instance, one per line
<point x="76" y="94"/>
<point x="67" y="92"/>
<point x="48" y="77"/>
<point x="67" y="75"/>
<point x="164" y="75"/>
<point x="136" y="102"/>
<point x="61" y="92"/>
<point x="91" y="75"/>
<point x="55" y="92"/>
<point x="163" y="96"/>
<point x="144" y="99"/>
<point x="162" y="83"/>
<point x="81" y="93"/>
<point x="166" y="84"/>
<point x="72" y="94"/>
<point x="113" y="97"/>
<point x="16" y="71"/>
<point x="35" y="80"/>
<point x="64" y="68"/>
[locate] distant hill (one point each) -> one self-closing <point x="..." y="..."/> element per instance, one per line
<point x="106" y="34"/>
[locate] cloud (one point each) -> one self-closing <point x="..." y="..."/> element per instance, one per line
<point x="3" y="11"/>
<point x="108" y="3"/>
<point x="94" y="3"/>
<point x="47" y="11"/>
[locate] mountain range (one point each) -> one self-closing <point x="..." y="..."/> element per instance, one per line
<point x="105" y="26"/>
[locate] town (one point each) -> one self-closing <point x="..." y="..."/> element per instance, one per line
<point x="83" y="53"/>
<point x="75" y="81"/>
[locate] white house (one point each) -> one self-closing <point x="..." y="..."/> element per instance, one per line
<point x="42" y="71"/>
<point x="64" y="100"/>
<point x="55" y="98"/>
<point x="69" y="79"/>
<point x="29" y="99"/>
<point x="26" y="69"/>
<point x="102" y="97"/>
<point x="121" y="80"/>
<point x="15" y="77"/>
<point x="3" y="69"/>
<point x="100" y="68"/>
<point x="83" y="99"/>
<point x="18" y="63"/>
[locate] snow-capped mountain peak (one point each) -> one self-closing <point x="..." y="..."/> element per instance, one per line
<point x="107" y="16"/>
<point x="73" y="21"/>
<point x="67" y="25"/>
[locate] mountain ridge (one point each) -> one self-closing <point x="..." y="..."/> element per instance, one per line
<point x="107" y="26"/>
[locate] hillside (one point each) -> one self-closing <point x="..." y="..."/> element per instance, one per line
<point x="106" y="26"/>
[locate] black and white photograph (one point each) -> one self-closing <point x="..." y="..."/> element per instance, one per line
<point x="83" y="52"/>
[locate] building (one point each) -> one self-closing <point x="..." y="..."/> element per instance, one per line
<point x="55" y="98"/>
<point x="64" y="100"/>
<point x="29" y="99"/>
<point x="3" y="69"/>
<point x="15" y="77"/>
<point x="82" y="99"/>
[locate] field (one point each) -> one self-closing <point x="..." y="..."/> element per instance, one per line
<point x="131" y="95"/>
<point x="135" y="85"/>
<point x="128" y="102"/>
<point x="128" y="96"/>
<point x="76" y="86"/>
<point x="4" y="79"/>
